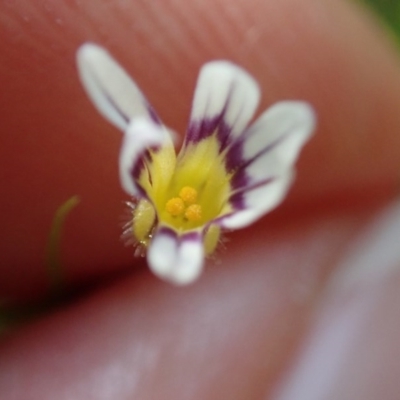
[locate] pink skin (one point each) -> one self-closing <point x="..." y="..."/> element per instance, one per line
<point x="238" y="332"/>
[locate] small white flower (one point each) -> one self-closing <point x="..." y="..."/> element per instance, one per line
<point x="226" y="176"/>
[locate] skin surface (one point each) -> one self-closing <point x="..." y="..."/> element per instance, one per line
<point x="243" y="330"/>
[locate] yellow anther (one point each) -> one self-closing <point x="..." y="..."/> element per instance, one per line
<point x="175" y="206"/>
<point x="188" y="195"/>
<point x="193" y="212"/>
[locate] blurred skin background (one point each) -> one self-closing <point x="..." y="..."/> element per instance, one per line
<point x="305" y="304"/>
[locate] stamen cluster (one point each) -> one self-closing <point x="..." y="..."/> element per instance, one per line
<point x="185" y="205"/>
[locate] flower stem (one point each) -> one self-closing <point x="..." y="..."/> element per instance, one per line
<point x="53" y="259"/>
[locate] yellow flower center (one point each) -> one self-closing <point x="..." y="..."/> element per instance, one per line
<point x="190" y="190"/>
<point x="188" y="195"/>
<point x="193" y="212"/>
<point x="185" y="205"/>
<point x="175" y="206"/>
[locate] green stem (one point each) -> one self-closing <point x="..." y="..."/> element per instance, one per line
<point x="53" y="264"/>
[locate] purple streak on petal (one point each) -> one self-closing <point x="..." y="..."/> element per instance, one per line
<point x="203" y="128"/>
<point x="263" y="151"/>
<point x="137" y="169"/>
<point x="135" y="172"/>
<point x="143" y="160"/>
<point x="153" y="115"/>
<point x="235" y="161"/>
<point x="234" y="157"/>
<point x="111" y="101"/>
<point x="167" y="231"/>
<point x="237" y="199"/>
<point x="193" y="236"/>
<point x="223" y="135"/>
<point x="240" y="180"/>
<point x="140" y="166"/>
<point x="142" y="192"/>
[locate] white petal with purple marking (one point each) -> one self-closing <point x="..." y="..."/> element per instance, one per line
<point x="256" y="202"/>
<point x="141" y="135"/>
<point x="273" y="143"/>
<point x="110" y="88"/>
<point x="270" y="148"/>
<point x="281" y="131"/>
<point x="222" y="87"/>
<point x="178" y="259"/>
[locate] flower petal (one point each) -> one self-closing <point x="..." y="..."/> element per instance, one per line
<point x="266" y="154"/>
<point x="141" y="135"/>
<point x="253" y="203"/>
<point x="272" y="144"/>
<point x="225" y="100"/>
<point x="281" y="130"/>
<point x="110" y="88"/>
<point x="270" y="147"/>
<point x="178" y="259"/>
